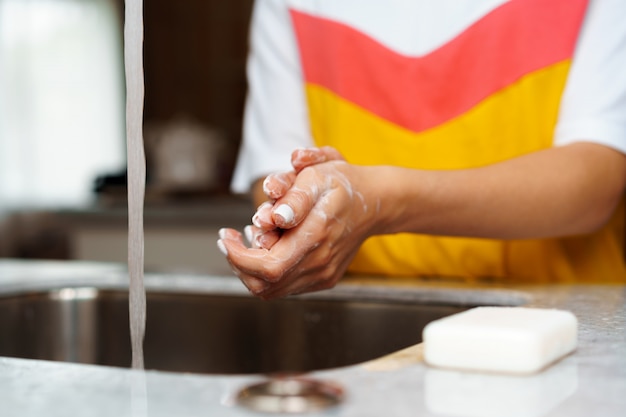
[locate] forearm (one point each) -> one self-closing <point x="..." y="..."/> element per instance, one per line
<point x="557" y="192"/>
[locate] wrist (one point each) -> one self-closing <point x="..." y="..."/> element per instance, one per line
<point x="391" y="195"/>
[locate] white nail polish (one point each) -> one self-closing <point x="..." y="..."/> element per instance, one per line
<point x="259" y="241"/>
<point x="255" y="220"/>
<point x="265" y="187"/>
<point x="222" y="247"/>
<point x="285" y="212"/>
<point x="221" y="233"/>
<point x="248" y="233"/>
<point x="263" y="206"/>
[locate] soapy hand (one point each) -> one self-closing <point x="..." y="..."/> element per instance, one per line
<point x="305" y="237"/>
<point x="270" y="218"/>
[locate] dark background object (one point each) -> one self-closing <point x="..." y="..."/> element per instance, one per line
<point x="194" y="63"/>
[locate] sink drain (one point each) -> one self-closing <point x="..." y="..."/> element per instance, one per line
<point x="291" y="395"/>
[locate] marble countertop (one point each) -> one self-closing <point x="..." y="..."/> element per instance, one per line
<point x="591" y="381"/>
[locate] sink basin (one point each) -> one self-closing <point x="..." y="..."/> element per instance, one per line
<point x="208" y="333"/>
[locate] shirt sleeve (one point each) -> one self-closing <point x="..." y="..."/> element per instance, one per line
<point x="593" y="107"/>
<point x="276" y="115"/>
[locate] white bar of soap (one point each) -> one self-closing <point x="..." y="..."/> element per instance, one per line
<point x="515" y="340"/>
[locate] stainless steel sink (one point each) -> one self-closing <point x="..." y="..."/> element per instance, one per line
<point x="212" y="333"/>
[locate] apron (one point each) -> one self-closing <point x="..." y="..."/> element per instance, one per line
<point x="489" y="94"/>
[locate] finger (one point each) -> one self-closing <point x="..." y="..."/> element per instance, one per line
<point x="298" y="202"/>
<point x="276" y="185"/>
<point x="266" y="240"/>
<point x="228" y="233"/>
<point x="263" y="217"/>
<point x="268" y="265"/>
<point x="255" y="285"/>
<point x="305" y="157"/>
<point x="250" y="232"/>
<point x="300" y="285"/>
<point x="260" y="239"/>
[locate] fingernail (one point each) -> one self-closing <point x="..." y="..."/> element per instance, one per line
<point x="261" y="241"/>
<point x="265" y="187"/>
<point x="286" y="213"/>
<point x="266" y="206"/>
<point x="222" y="247"/>
<point x="263" y="205"/>
<point x="257" y="240"/>
<point x="271" y="193"/>
<point x="221" y="233"/>
<point x="249" y="234"/>
<point x="255" y="220"/>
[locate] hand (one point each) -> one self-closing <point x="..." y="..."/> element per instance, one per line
<point x="265" y="231"/>
<point x="327" y="219"/>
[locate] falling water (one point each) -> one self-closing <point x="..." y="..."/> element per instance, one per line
<point x="133" y="57"/>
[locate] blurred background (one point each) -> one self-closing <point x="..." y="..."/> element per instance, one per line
<point x="62" y="128"/>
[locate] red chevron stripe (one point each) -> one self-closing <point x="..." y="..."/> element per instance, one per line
<point x="418" y="93"/>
